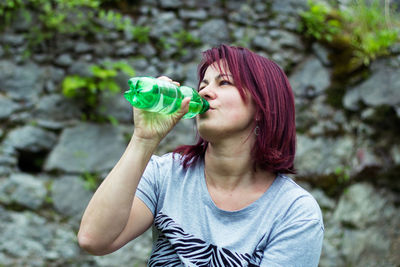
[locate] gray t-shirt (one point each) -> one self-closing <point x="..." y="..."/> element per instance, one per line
<point x="283" y="227"/>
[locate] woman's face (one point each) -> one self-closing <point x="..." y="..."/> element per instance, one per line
<point x="228" y="115"/>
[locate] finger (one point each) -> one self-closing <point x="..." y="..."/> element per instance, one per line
<point x="185" y="105"/>
<point x="167" y="79"/>
<point x="164" y="78"/>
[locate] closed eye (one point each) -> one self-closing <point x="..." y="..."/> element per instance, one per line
<point x="225" y="82"/>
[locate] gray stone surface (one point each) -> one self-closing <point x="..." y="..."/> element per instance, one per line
<point x="64" y="60"/>
<point x="199" y="14"/>
<point x="23" y="189"/>
<point x="208" y="29"/>
<point x="86" y="148"/>
<point x="381" y="88"/>
<point x="310" y="79"/>
<point x="28" y="239"/>
<point x="40" y="213"/>
<point x="7" y="107"/>
<point x="54" y="111"/>
<point x="69" y="195"/>
<point x="31" y="138"/>
<point x="21" y="82"/>
<point x="322" y="156"/>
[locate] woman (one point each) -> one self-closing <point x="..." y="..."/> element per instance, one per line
<point x="224" y="201"/>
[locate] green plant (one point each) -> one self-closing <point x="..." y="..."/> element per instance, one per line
<point x="141" y="34"/>
<point x="364" y="30"/>
<point x="7" y="8"/>
<point x="343" y="174"/>
<point x="91" y="180"/>
<point x="321" y="21"/>
<point x="61" y="17"/>
<point x="89" y="89"/>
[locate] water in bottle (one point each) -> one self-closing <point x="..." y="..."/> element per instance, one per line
<point x="160" y="96"/>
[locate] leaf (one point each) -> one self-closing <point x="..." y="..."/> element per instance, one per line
<point x="71" y="84"/>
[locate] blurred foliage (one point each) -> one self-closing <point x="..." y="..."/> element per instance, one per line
<point x="49" y="18"/>
<point x="89" y="89"/>
<point x="185" y="40"/>
<point x="91" y="181"/>
<point x="361" y="32"/>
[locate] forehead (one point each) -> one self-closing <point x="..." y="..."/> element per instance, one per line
<point x="217" y="68"/>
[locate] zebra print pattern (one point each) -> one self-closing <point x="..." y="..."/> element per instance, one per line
<point x="173" y="241"/>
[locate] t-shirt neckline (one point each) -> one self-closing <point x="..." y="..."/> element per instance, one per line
<point x="210" y="202"/>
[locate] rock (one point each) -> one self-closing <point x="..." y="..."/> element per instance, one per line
<point x="66" y="203"/>
<point x="310" y="78"/>
<point x="29" y="240"/>
<point x="21" y="82"/>
<point x="324" y="202"/>
<point x="147" y="51"/>
<point x="191" y="75"/>
<point x="208" y="29"/>
<point x="135" y="251"/>
<point x="78" y="149"/>
<point x="7" y="164"/>
<point x="64" y="60"/>
<point x="55" y="111"/>
<point x="395" y="154"/>
<point x="183" y="133"/>
<point x="292" y="7"/>
<point x="360" y="207"/>
<point x="171" y="3"/>
<point x="366" y="248"/>
<point x="144" y="68"/>
<point x="125" y="51"/>
<point x="199" y="14"/>
<point x="22" y="21"/>
<point x="381" y="88"/>
<point x="13" y="39"/>
<point x="31" y="138"/>
<point x="331" y="255"/>
<point x="287" y="39"/>
<point x="322" y="53"/>
<point x="83" y="47"/>
<point x="23" y="189"/>
<point x="322" y="156"/>
<point x="115" y="107"/>
<point x="266" y="43"/>
<point x="166" y="24"/>
<point x="7" y="107"/>
<point x="80" y="68"/>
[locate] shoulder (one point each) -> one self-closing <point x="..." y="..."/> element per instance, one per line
<point x="166" y="161"/>
<point x="170" y="165"/>
<point x="296" y="203"/>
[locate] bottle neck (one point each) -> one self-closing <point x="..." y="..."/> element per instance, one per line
<point x="206" y="106"/>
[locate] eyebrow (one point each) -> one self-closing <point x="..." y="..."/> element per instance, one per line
<point x="216" y="78"/>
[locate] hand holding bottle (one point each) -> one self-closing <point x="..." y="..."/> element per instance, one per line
<point x="152" y="126"/>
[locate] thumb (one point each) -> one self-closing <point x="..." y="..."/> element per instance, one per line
<point x="184" y="107"/>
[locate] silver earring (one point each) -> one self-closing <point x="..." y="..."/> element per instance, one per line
<point x="257" y="130"/>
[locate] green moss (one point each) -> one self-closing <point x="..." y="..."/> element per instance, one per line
<point x="89" y="89"/>
<point x="356" y="35"/>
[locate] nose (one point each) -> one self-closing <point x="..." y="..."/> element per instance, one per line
<point x="207" y="92"/>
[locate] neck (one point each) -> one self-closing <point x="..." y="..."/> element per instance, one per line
<point x="229" y="164"/>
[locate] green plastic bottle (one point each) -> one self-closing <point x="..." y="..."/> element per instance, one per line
<point x="160" y="96"/>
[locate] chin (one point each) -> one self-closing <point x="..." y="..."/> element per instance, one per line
<point x="210" y="132"/>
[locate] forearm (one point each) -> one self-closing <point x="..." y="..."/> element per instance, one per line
<point x="109" y="209"/>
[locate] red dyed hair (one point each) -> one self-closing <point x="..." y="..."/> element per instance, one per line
<point x="275" y="146"/>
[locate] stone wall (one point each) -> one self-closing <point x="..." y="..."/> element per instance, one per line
<point x="348" y="154"/>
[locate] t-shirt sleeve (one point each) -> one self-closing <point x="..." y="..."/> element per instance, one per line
<point x="298" y="240"/>
<point x="147" y="190"/>
<point x="299" y="244"/>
